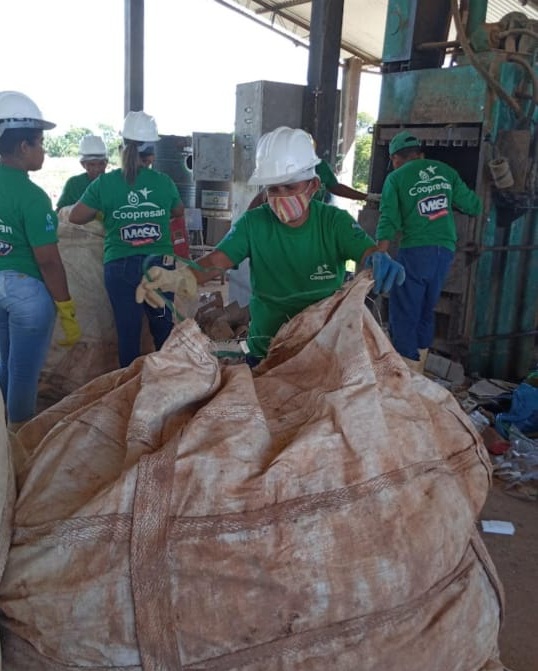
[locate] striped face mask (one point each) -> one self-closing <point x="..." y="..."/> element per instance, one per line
<point x="290" y="208"/>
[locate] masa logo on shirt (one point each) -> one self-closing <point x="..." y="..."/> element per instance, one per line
<point x="5" y="248"/>
<point x="141" y="234"/>
<point x="323" y="273"/>
<point x="433" y="207"/>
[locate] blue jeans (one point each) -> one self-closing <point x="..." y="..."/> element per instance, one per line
<point x="411" y="306"/>
<point x="122" y="276"/>
<point x="27" y="316"/>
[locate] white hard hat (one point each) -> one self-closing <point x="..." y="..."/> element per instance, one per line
<point x="92" y="147"/>
<point x="284" y="156"/>
<point x="20" y="111"/>
<point x="141" y="127"/>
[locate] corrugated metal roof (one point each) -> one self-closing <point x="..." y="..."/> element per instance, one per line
<point x="499" y="8"/>
<point x="363" y="26"/>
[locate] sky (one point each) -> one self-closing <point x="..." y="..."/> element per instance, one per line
<point x="68" y="55"/>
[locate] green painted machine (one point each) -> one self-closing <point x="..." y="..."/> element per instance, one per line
<point x="473" y="100"/>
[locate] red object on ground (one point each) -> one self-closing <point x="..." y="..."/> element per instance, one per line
<point x="180" y="237"/>
<point x="495" y="444"/>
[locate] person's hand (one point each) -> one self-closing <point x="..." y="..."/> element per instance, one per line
<point x="68" y="322"/>
<point x="385" y="270"/>
<point x="180" y="281"/>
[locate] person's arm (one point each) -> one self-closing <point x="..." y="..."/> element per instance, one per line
<point x="345" y="191"/>
<point x="355" y="244"/>
<point x="465" y="199"/>
<point x="52" y="270"/>
<point x="216" y="262"/>
<point x="82" y="214"/>
<point x="390" y="219"/>
<point x="66" y="197"/>
<point x="383" y="245"/>
<point x="177" y="209"/>
<point x="182" y="281"/>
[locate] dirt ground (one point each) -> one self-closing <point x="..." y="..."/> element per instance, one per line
<point x="516" y="559"/>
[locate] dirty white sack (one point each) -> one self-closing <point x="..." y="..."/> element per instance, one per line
<point x="321" y="514"/>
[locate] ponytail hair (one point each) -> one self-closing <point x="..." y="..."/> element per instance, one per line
<point x="130" y="161"/>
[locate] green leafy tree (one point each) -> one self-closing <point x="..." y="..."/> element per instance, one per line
<point x="112" y="140"/>
<point x="68" y="143"/>
<point x="363" y="151"/>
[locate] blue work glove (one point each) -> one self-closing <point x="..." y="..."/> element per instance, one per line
<point x="386" y="271"/>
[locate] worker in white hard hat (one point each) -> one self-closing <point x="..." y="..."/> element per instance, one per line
<point x="297" y="247"/>
<point x="33" y="285"/>
<point x="328" y="184"/>
<point x="94" y="159"/>
<point x="136" y="203"/>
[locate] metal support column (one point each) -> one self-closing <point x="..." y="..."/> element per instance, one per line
<point x="477" y="15"/>
<point x="134" y="55"/>
<point x="319" y="111"/>
<point x="349" y="106"/>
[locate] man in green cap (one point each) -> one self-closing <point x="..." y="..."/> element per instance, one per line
<point x="416" y="209"/>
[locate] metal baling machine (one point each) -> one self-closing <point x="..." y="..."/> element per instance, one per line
<point x="469" y="90"/>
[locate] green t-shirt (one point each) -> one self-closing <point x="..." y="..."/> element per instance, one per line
<point x="417" y="201"/>
<point x="291" y="268"/>
<point x="27" y="220"/>
<point x="73" y="190"/>
<point x="137" y="216"/>
<point x="326" y="177"/>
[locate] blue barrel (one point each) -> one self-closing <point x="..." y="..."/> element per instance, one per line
<point x="173" y="156"/>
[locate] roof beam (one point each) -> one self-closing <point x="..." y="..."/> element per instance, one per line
<point x="280" y="5"/>
<point x="303" y="24"/>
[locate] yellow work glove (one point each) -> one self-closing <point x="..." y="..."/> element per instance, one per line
<point x="68" y="321"/>
<point x="180" y="281"/>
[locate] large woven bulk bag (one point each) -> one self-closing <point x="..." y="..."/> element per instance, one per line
<point x="319" y="515"/>
<point x="7" y="494"/>
<point x="68" y="368"/>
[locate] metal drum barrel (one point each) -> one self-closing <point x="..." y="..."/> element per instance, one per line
<point x="173" y="156"/>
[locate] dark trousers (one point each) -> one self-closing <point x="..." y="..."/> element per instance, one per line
<point x="122" y="276"/>
<point x="411" y="306"/>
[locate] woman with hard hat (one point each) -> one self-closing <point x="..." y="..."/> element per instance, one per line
<point x="94" y="159"/>
<point x="297" y="246"/>
<point x="137" y="203"/>
<point x="33" y="285"/>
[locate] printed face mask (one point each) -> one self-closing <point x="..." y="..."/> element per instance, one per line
<point x="290" y="208"/>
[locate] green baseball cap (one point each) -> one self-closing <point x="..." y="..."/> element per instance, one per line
<point x="402" y="141"/>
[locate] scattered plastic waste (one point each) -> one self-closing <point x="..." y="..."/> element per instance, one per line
<point x="498" y="527"/>
<point x="519" y="466"/>
<point x="479" y="420"/>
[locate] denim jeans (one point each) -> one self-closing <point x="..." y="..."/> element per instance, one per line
<point x="122" y="276"/>
<point x="27" y="316"/>
<point x="411" y="306"/>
